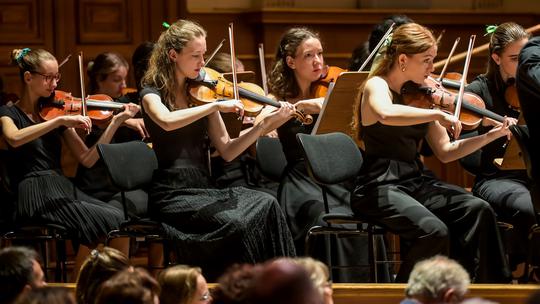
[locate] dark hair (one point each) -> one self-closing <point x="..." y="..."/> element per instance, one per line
<point x="103" y="65"/>
<point x="130" y="286"/>
<point x="505" y="34"/>
<point x="48" y="295"/>
<point x="281" y="80"/>
<point x="16" y="271"/>
<point x="140" y="59"/>
<point x="100" y="266"/>
<point x="29" y="59"/>
<point x="236" y="285"/>
<point x="222" y="63"/>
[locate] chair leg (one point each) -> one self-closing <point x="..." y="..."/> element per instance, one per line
<point x="372" y="255"/>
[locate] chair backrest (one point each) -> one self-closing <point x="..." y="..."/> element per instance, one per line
<point x="270" y="157"/>
<point x="331" y="158"/>
<point x="130" y="164"/>
<point x="521" y="133"/>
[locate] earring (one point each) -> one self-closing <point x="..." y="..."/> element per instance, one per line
<point x="403" y="68"/>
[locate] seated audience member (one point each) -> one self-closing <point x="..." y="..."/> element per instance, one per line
<point x="280" y="281"/>
<point x="101" y="265"/>
<point x="48" y="295"/>
<point x="19" y="273"/>
<point x="320" y="276"/>
<point x="183" y="285"/>
<point x="437" y="280"/>
<point x="528" y="88"/>
<point x="130" y="286"/>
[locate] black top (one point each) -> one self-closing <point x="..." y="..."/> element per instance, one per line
<point x="393" y="142"/>
<point x="183" y="147"/>
<point x="40" y="154"/>
<point x="491" y="90"/>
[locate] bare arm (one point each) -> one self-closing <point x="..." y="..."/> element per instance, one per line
<point x="172" y="120"/>
<point x="447" y="150"/>
<point x="89" y="156"/>
<point x="16" y="137"/>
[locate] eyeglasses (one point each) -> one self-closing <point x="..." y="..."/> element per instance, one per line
<point x="48" y="78"/>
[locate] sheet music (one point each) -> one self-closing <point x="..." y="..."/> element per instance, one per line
<point x="321" y="114"/>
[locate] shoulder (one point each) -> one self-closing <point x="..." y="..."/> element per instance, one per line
<point x="9" y="111"/>
<point x="149" y="90"/>
<point x="376" y="83"/>
<point x="479" y="84"/>
<point x="530" y="54"/>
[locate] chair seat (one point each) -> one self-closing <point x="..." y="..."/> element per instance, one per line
<point x="142" y="225"/>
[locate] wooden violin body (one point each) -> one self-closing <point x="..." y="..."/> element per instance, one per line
<point x="100" y="107"/>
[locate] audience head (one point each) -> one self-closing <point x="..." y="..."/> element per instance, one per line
<point x="320" y="276"/>
<point x="437" y="280"/>
<point x="129" y="286"/>
<point x="100" y="266"/>
<point x="107" y="74"/>
<point x="236" y="285"/>
<point x="19" y="272"/>
<point x="505" y="43"/>
<point x="140" y="59"/>
<point x="282" y="78"/>
<point x="48" y="295"/>
<point x="183" y="285"/>
<point x="178" y="49"/>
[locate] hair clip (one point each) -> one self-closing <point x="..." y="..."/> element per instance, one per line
<point x="490" y="29"/>
<point x="388" y="40"/>
<point x="166" y="25"/>
<point x="94" y="254"/>
<point x="22" y="54"/>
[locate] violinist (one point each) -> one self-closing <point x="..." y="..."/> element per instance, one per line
<point x="505" y="190"/>
<point x="218" y="227"/>
<point x="242" y="171"/>
<point x="297" y="68"/>
<point x="107" y="75"/>
<point x="43" y="193"/>
<point x="396" y="191"/>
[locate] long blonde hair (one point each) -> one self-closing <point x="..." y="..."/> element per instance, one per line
<point x="408" y="39"/>
<point x="160" y="72"/>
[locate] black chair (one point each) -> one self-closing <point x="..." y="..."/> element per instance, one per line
<point x="38" y="234"/>
<point x="270" y="157"/>
<point x="331" y="159"/>
<point x="130" y="166"/>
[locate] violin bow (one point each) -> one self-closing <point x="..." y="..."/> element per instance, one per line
<point x="263" y="69"/>
<point x="464" y="77"/>
<point x="377" y="47"/>
<point x="64" y="61"/>
<point x="233" y="63"/>
<point x="83" y="93"/>
<point x="214" y="52"/>
<point x="443" y="71"/>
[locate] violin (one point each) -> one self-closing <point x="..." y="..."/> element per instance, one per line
<point x="434" y="95"/>
<point x="320" y="87"/>
<point x="212" y="86"/>
<point x="100" y="107"/>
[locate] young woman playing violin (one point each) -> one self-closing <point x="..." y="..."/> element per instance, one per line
<point x="396" y="191"/>
<point x="506" y="190"/>
<point x="297" y="68"/>
<point x="219" y="226"/>
<point x="43" y="193"/>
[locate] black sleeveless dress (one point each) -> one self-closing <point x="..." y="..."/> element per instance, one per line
<point x="213" y="228"/>
<point x="45" y="195"/>
<point x="301" y="200"/>
<point x="431" y="216"/>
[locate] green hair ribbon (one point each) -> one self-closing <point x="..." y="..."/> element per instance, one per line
<point x="166" y="25"/>
<point x="22" y="54"/>
<point x="490" y="29"/>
